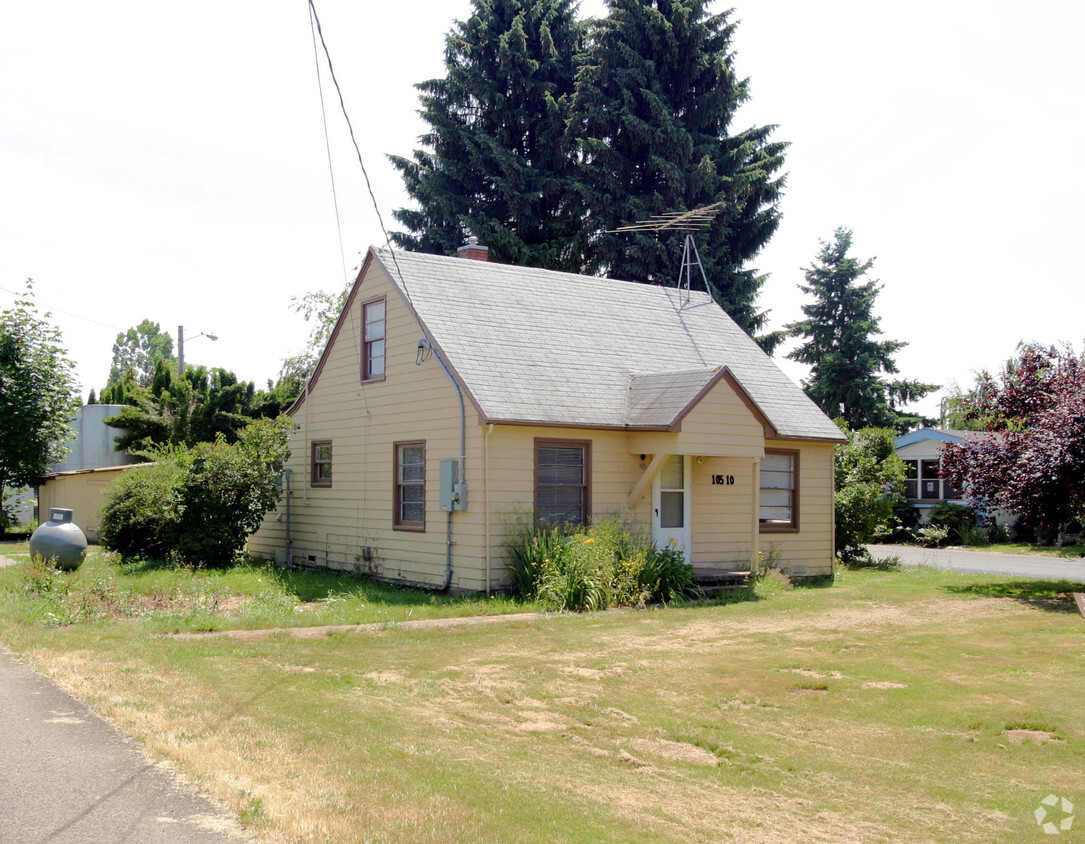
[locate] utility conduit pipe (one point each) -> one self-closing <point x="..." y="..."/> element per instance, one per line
<point x="423" y="347"/>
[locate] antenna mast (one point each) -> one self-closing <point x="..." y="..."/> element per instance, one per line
<point x="682" y="221"/>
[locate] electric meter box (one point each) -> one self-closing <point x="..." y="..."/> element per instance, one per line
<point x="453" y="493"/>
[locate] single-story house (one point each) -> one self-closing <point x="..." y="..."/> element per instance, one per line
<point x="921" y="451"/>
<point x="456" y="397"/>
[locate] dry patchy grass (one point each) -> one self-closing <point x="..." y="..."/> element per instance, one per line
<point x="892" y="707"/>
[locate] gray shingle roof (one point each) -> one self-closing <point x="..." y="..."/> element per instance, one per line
<point x="655" y="399"/>
<point x="556" y="348"/>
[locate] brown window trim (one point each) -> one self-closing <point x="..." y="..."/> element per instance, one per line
<point x="365" y="343"/>
<point x="314" y="480"/>
<point x="397" y="523"/>
<point x="586" y="486"/>
<point x="793" y="527"/>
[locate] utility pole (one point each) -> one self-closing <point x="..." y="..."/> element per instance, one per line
<point x="181" y="348"/>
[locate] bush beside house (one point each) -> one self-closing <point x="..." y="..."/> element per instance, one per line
<point x="197" y="505"/>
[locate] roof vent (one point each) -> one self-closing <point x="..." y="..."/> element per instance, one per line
<point x="472" y="251"/>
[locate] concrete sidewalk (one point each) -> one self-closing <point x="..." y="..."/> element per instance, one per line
<point x="978" y="561"/>
<point x="69" y="777"/>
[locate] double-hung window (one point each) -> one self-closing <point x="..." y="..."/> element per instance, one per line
<point x="562" y="482"/>
<point x="923" y="482"/>
<point x="320" y="464"/>
<point x="410" y="486"/>
<point x="779" y="505"/>
<point x="373" y="340"/>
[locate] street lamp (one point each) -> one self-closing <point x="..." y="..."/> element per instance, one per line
<point x="181" y="347"/>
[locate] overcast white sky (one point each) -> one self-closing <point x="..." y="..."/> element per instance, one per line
<point x="167" y="161"/>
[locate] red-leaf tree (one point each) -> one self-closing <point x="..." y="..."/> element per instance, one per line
<point x="1034" y="465"/>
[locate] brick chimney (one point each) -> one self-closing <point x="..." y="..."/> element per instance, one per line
<point x="472" y="251"/>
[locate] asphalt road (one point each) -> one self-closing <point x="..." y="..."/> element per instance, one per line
<point x="68" y="777"/>
<point x="974" y="561"/>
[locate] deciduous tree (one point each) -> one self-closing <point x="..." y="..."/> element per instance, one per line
<point x="869" y="484"/>
<point x="847" y="362"/>
<point x="37" y="395"/>
<point x="1034" y="462"/>
<point x="140" y="348"/>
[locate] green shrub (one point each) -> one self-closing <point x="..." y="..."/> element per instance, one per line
<point x="197" y="505"/>
<point x="142" y="510"/>
<point x="869" y="483"/>
<point x="932" y="536"/>
<point x="971" y="535"/>
<point x="666" y="575"/>
<point x="579" y="579"/>
<point x="953" y="517"/>
<point x="613" y="562"/>
<point x="996" y="533"/>
<point x="527" y="557"/>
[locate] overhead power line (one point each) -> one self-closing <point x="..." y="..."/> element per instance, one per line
<point x="66" y="313"/>
<point x="361" y="163"/>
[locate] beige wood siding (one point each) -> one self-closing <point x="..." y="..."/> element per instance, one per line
<point x="338" y="526"/>
<point x="719" y="425"/>
<point x="808" y="551"/>
<point x="332" y="526"/>
<point x="722" y="514"/>
<point x="511" y="454"/>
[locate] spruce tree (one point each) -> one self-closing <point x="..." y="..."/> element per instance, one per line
<point x="847" y="361"/>
<point x="655" y="100"/>
<point x="497" y="162"/>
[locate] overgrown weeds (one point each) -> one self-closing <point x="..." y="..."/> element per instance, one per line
<point x="250" y="594"/>
<point x="611" y="563"/>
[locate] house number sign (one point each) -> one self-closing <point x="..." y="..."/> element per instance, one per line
<point x="723" y="480"/>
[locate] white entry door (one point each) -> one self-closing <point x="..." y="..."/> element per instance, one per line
<point x="671" y="504"/>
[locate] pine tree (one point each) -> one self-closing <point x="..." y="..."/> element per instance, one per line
<point x="655" y="100"/>
<point x="846" y="360"/>
<point x="497" y="163"/>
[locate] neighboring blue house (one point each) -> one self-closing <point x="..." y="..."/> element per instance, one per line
<point x="921" y="452"/>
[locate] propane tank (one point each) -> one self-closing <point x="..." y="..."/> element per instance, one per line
<point x="59" y="541"/>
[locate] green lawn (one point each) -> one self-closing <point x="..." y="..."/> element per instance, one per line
<point x="912" y="705"/>
<point x="164" y="599"/>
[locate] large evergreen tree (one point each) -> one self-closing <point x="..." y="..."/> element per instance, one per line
<point x="196" y="408"/>
<point x="655" y="101"/>
<point x="497" y="162"/>
<point x="839" y="343"/>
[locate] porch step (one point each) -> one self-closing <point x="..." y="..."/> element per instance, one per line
<point x="711" y="580"/>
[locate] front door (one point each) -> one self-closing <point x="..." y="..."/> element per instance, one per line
<point x="671" y="504"/>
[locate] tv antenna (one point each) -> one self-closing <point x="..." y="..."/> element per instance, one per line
<point x="680" y="221"/>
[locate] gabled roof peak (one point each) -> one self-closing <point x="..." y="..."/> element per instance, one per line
<point x="555" y="348"/>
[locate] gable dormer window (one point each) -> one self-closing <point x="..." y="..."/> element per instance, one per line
<point x="373" y="340"/>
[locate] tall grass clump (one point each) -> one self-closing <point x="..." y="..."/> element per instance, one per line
<point x="611" y="563"/>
